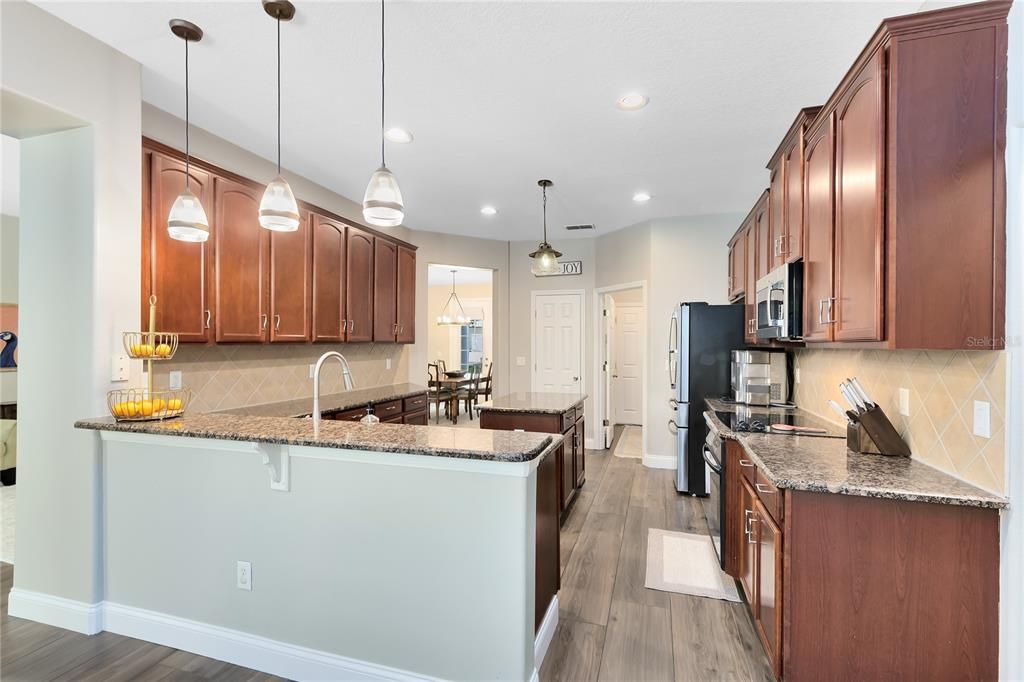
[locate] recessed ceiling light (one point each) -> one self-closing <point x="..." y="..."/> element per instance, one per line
<point x="488" y="210"/>
<point x="399" y="135"/>
<point x="632" y="102"/>
<point x="641" y="197"/>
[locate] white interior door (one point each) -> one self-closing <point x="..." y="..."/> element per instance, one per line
<point x="557" y="343"/>
<point x="629" y="361"/>
<point x="608" y="364"/>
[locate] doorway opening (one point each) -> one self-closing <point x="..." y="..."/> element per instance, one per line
<point x="621" y="351"/>
<point x="460" y="323"/>
<point x="9" y="212"/>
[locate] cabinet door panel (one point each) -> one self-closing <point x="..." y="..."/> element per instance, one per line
<point x="290" y="268"/>
<point x="567" y="478"/>
<point x="859" y="225"/>
<point x="176" y="272"/>
<point x="737" y="266"/>
<point x="385" y="290"/>
<point x="359" y="285"/>
<point x="579" y="454"/>
<point x="776" y="217"/>
<point x="793" y="193"/>
<point x="240" y="272"/>
<point x="748" y="555"/>
<point x="769" y="585"/>
<point x="406" y="295"/>
<point x="328" y="280"/>
<point x="818" y="203"/>
<point x="762" y="228"/>
<point x="750" y="275"/>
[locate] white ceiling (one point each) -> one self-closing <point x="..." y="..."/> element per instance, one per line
<point x="499" y="94"/>
<point x="441" y="275"/>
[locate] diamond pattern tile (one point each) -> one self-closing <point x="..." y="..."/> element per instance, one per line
<point x="943" y="386"/>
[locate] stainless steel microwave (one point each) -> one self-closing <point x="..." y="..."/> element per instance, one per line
<point x="780" y="303"/>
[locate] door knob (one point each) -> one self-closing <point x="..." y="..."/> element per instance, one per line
<point x="575" y="378"/>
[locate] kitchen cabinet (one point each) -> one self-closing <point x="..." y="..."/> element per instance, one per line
<point x="240" y="264"/>
<point x="818" y="203"/>
<point x="579" y="452"/>
<point x="748" y="545"/>
<point x="750" y="271"/>
<point x="761" y="226"/>
<point x="246" y="284"/>
<point x="291" y="262"/>
<point x="776" y="218"/>
<point x="385" y="290"/>
<point x="768" y="589"/>
<point x="737" y="265"/>
<point x="567" y="475"/>
<point x="411" y="410"/>
<point x="786" y="171"/>
<point x="328" y="279"/>
<point x="359" y="282"/>
<point x="406" y="295"/>
<point x="176" y="272"/>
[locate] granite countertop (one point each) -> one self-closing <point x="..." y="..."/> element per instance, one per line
<point x="336" y="402"/>
<point x="548" y="403"/>
<point x="808" y="418"/>
<point x="825" y="465"/>
<point x="435" y="441"/>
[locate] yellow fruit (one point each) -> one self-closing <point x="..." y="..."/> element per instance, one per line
<point x="174" y="404"/>
<point x="119" y="410"/>
<point x="146" y="408"/>
<point x="131" y="409"/>
<point x="159" y="404"/>
<point x="142" y="350"/>
<point x="163" y="350"/>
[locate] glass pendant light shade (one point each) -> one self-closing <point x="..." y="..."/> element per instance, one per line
<point x="187" y="220"/>
<point x="453" y="314"/>
<point x="545" y="261"/>
<point x="278" y="210"/>
<point x="382" y="203"/>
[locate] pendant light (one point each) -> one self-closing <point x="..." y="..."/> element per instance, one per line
<point x="278" y="209"/>
<point x="545" y="258"/>
<point x="449" y="315"/>
<point x="382" y="203"/>
<point x="187" y="220"/>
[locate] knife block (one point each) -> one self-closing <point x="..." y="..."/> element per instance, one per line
<point x="874" y="434"/>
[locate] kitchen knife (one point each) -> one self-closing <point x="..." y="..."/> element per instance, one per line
<point x="839" y="410"/>
<point x="851" y="398"/>
<point x="860" y="391"/>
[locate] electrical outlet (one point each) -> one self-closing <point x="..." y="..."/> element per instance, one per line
<point x="312" y="370"/>
<point x="174" y="380"/>
<point x="387" y="363"/>
<point x="796" y="375"/>
<point x="119" y="367"/>
<point x="904" y="402"/>
<point x="982" y="419"/>
<point x="243" y="575"/>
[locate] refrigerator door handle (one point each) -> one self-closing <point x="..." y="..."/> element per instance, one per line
<point x="673" y="349"/>
<point x="672" y="426"/>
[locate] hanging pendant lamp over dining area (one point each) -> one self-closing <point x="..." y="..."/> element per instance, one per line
<point x="187" y="221"/>
<point x="453" y="314"/>
<point x="382" y="203"/>
<point x="278" y="209"/>
<point x="545" y="258"/>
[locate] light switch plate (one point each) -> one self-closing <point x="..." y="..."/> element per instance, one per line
<point x="905" y="402"/>
<point x="982" y="419"/>
<point x="520" y="361"/>
<point x="243" y="576"/>
<point x="119" y="367"/>
<point x="387" y="363"/>
<point x="796" y="375"/>
<point x="174" y="380"/>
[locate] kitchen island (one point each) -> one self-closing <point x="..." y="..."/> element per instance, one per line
<point x="385" y="551"/>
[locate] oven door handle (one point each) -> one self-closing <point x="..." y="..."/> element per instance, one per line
<point x="715" y="466"/>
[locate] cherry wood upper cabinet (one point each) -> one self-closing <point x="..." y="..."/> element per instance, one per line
<point x="750" y="276"/>
<point x="240" y="264"/>
<point x="763" y="261"/>
<point x="385" y="290"/>
<point x="859" y="218"/>
<point x="786" y="169"/>
<point x="776" y="217"/>
<point x="818" y="252"/>
<point x="737" y="264"/>
<point x="291" y="256"/>
<point x="329" y="322"/>
<point x="176" y="272"/>
<point x="359" y="285"/>
<point x="406" y="295"/>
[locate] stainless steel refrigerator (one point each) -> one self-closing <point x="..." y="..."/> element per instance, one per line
<point x="701" y="338"/>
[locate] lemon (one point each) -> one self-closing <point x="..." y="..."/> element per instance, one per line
<point x="131" y="409"/>
<point x="119" y="410"/>
<point x="174" y="404"/>
<point x="146" y="408"/>
<point x="159" y="404"/>
<point x="163" y="350"/>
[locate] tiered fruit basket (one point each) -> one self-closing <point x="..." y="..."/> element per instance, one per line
<point x="144" y="404"/>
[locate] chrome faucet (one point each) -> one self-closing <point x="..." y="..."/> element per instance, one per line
<point x="346" y="374"/>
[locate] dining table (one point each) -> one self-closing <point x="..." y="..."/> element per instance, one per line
<point x="453" y="384"/>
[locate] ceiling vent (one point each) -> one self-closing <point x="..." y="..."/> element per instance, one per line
<point x="579" y="227"/>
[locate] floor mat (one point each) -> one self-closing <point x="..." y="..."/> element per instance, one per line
<point x="686" y="563"/>
<point x="630" y="443"/>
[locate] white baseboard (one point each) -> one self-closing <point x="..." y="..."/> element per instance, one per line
<point x="224" y="644"/>
<point x="56" y="611"/>
<point x="591" y="444"/>
<point x="659" y="461"/>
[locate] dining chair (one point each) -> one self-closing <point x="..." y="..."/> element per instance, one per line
<point x="437" y="394"/>
<point x="471" y="390"/>
<point x="485" y="382"/>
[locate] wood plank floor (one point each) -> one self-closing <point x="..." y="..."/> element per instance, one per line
<point x="613" y="628"/>
<point x="610" y="627"/>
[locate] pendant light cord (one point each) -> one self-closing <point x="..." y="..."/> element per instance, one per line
<point x="382" y="84"/>
<point x="187" y="149"/>
<point x="279" y="94"/>
<point x="544" y="203"/>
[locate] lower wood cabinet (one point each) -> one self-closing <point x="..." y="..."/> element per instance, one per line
<point x="410" y="410"/>
<point x="842" y="587"/>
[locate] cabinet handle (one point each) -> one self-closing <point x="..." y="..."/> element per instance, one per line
<point x="351" y="326"/>
<point x="762" y="488"/>
<point x="344" y="326"/>
<point x="263" y="320"/>
<point x="821" y="312"/>
<point x="746" y="463"/>
<point x="831" y="319"/>
<point x="396" y="329"/>
<point x="277" y="323"/>
<point x="750" y="532"/>
<point x="401" y="329"/>
<point x="209" y="314"/>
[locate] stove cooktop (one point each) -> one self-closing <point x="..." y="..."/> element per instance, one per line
<point x="759" y="421"/>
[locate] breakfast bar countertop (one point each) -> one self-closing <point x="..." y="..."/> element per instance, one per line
<point x="826" y="465"/>
<point x="335" y="402"/>
<point x="547" y="403"/>
<point x="435" y="441"/>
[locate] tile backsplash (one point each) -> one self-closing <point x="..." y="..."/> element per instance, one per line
<point x="227" y="376"/>
<point x="943" y="386"/>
